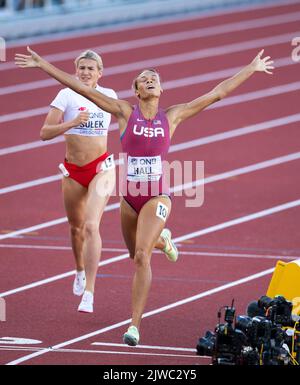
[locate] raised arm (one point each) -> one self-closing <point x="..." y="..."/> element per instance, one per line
<point x="116" y="107"/>
<point x="178" y="113"/>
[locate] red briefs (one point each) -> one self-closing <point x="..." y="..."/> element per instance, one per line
<point x="84" y="174"/>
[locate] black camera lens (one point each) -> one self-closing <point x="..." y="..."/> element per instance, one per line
<point x="265" y="302"/>
<point x="205" y="346"/>
<point x="243" y="322"/>
<point x="253" y="309"/>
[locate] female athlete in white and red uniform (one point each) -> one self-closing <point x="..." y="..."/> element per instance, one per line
<point x="87" y="165"/>
<point x="143" y="221"/>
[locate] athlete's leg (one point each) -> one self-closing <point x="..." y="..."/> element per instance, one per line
<point x="99" y="191"/>
<point x="129" y="219"/>
<point x="74" y="196"/>
<point x="150" y="224"/>
<point x="160" y="243"/>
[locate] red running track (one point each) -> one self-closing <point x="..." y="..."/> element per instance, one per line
<point x="233" y="260"/>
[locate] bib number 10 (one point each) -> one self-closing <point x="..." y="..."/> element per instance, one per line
<point x="162" y="211"/>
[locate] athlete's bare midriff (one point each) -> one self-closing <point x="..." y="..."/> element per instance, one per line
<point x="81" y="150"/>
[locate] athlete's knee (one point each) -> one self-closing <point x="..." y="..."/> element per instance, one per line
<point x="141" y="258"/>
<point x="91" y="228"/>
<point x="76" y="230"/>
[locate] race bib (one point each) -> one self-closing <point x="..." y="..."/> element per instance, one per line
<point x="108" y="163"/>
<point x="144" y="168"/>
<point x="162" y="211"/>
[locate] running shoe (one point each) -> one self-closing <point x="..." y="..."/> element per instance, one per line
<point x="170" y="249"/>
<point x="86" y="304"/>
<point x="79" y="283"/>
<point x="132" y="336"/>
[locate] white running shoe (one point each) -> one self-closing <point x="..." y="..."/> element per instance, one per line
<point x="132" y="336"/>
<point x="79" y="283"/>
<point x="170" y="249"/>
<point x="86" y="304"/>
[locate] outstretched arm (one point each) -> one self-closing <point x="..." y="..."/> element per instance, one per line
<point x="116" y="107"/>
<point x="179" y="113"/>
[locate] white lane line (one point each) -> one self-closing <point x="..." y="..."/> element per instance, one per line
<point x="109" y="344"/>
<point x="148" y="314"/>
<point x="273" y="91"/>
<point x="29" y="184"/>
<point x="221" y="226"/>
<point x="252" y="128"/>
<point x="178" y="188"/>
<point x="59" y="276"/>
<point x="51" y="247"/>
<point x="211" y="76"/>
<point x="246" y="218"/>
<point x="239" y="171"/>
<point x="145" y="347"/>
<point x="24" y="114"/>
<point x="177" y="147"/>
<point x="30" y="145"/>
<point x="126" y="353"/>
<point x="182" y="252"/>
<point x="102" y="31"/>
<point x="169" y="85"/>
<point x="152" y="41"/>
<point x="237" y="255"/>
<point x="49" y="224"/>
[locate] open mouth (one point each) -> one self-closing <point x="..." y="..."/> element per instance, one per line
<point x="150" y="88"/>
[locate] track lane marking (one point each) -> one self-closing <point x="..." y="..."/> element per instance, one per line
<point x="145" y="347"/>
<point x="85" y="351"/>
<point x="182" y="252"/>
<point x="108" y="344"/>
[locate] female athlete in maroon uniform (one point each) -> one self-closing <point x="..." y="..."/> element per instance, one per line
<point x="143" y="221"/>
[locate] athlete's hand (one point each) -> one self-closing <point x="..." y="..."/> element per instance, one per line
<point x="81" y="118"/>
<point x="28" y="61"/>
<point x="262" y="64"/>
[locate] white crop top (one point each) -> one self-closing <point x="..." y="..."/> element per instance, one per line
<point x="72" y="103"/>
